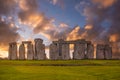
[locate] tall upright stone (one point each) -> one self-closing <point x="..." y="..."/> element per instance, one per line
<point x="10" y="52"/>
<point x="115" y="50"/>
<point x="104" y="52"/>
<point x="62" y="49"/>
<point x="22" y="52"/>
<point x="13" y="51"/>
<point x="108" y="52"/>
<point x="53" y="52"/>
<point x="65" y="52"/>
<point x="79" y="50"/>
<point x="59" y="45"/>
<point x="100" y="51"/>
<point x="90" y="51"/>
<point x="30" y="51"/>
<point x="39" y="49"/>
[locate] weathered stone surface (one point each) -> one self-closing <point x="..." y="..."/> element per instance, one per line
<point x="100" y="51"/>
<point x="115" y="50"/>
<point x="41" y="54"/>
<point x="30" y="51"/>
<point x="39" y="49"/>
<point x="104" y="52"/>
<point x="65" y="52"/>
<point x="13" y="51"/>
<point x="53" y="52"/>
<point x="61" y="51"/>
<point x="22" y="52"/>
<point x="90" y="51"/>
<point x="10" y="51"/>
<point x="26" y="42"/>
<point x="80" y="48"/>
<point x="108" y="52"/>
<point x="79" y="51"/>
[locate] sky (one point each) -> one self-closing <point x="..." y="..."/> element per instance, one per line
<point x="23" y="20"/>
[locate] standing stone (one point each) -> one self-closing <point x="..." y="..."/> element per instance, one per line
<point x="79" y="51"/>
<point x="59" y="45"/>
<point x="53" y="52"/>
<point x="115" y="50"/>
<point x="30" y="52"/>
<point x="61" y="50"/>
<point x="39" y="49"/>
<point x="22" y="52"/>
<point x="104" y="52"/>
<point x="13" y="51"/>
<point x="65" y="52"/>
<point x="100" y="51"/>
<point x="108" y="52"/>
<point x="10" y="51"/>
<point x="90" y="51"/>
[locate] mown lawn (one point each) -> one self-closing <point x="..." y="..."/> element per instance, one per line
<point x="60" y="70"/>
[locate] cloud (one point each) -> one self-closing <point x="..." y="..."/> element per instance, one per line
<point x="60" y="3"/>
<point x="39" y="22"/>
<point x="63" y="25"/>
<point x="7" y="6"/>
<point x="74" y="34"/>
<point x="103" y="16"/>
<point x="29" y="19"/>
<point x="7" y="34"/>
<point x="96" y="16"/>
<point x="104" y="3"/>
<point x="28" y="5"/>
<point x="88" y="27"/>
<point x="48" y="27"/>
<point x="27" y="8"/>
<point x="54" y="2"/>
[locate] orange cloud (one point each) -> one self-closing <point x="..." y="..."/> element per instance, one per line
<point x="74" y="34"/>
<point x="22" y="5"/>
<point x="88" y="27"/>
<point x="63" y="25"/>
<point x="114" y="38"/>
<point x="104" y="3"/>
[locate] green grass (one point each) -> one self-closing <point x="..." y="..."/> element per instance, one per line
<point x="60" y="70"/>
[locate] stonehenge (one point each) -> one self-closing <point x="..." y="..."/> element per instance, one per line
<point x="59" y="50"/>
<point x="82" y="49"/>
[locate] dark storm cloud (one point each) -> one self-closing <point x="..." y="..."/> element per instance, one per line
<point x="6" y="6"/>
<point x="103" y="16"/>
<point x="114" y="17"/>
<point x="27" y="8"/>
<point x="7" y="34"/>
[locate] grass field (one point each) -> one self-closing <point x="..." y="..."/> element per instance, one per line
<point x="60" y="70"/>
